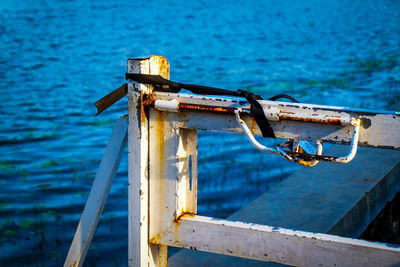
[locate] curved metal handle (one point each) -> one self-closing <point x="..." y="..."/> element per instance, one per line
<point x="251" y="138"/>
<point x="288" y="155"/>
<point x="309" y="158"/>
<point x="354" y="143"/>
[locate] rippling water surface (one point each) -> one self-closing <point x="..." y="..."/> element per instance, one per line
<point x="58" y="57"/>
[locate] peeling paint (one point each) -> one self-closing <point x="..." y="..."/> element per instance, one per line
<point x="324" y="120"/>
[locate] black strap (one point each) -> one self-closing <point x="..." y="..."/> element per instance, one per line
<point x="175" y="87"/>
<point x="161" y="84"/>
<point x="257" y="112"/>
<point x="276" y="97"/>
<point x="256" y="109"/>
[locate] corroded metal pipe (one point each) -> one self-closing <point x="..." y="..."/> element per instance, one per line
<point x="108" y="100"/>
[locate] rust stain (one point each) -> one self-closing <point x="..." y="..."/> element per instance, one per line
<point x="160" y="149"/>
<point x="177" y="221"/>
<point x="316" y="120"/>
<point x="147" y="102"/>
<point x="162" y="65"/>
<point x="179" y="217"/>
<point x="142" y="108"/>
<point x="160" y="137"/>
<point x="176" y="232"/>
<point x="148" y="99"/>
<point x="207" y="108"/>
<point x="252" y="125"/>
<point x="151" y="97"/>
<point x="158" y="65"/>
<point x="155" y="239"/>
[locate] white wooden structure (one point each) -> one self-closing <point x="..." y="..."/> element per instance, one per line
<point x="162" y="145"/>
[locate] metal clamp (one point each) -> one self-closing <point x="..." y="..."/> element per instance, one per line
<point x="302" y="152"/>
<point x="301" y="146"/>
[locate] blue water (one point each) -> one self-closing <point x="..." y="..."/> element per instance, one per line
<point x="58" y="57"/>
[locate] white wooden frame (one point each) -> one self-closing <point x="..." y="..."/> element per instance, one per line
<point x="162" y="188"/>
<point x="378" y="128"/>
<point x="141" y="252"/>
<point x="172" y="197"/>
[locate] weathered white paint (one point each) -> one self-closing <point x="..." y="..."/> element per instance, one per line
<point x="138" y="179"/>
<point x="274" y="244"/>
<point x="187" y="166"/>
<point x="98" y="195"/>
<point x="165" y="105"/>
<point x="171" y="191"/>
<point x="155" y="65"/>
<point x="163" y="173"/>
<point x="140" y="251"/>
<point x="378" y="128"/>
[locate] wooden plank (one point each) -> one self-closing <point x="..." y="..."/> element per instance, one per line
<point x="276" y="244"/>
<point x="141" y="252"/>
<point x="98" y="195"/>
<point x="163" y="173"/>
<point x="378" y="128"/>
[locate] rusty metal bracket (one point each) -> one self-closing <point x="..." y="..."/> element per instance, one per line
<point x="108" y="100"/>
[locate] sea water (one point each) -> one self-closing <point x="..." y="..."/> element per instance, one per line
<point x="58" y="57"/>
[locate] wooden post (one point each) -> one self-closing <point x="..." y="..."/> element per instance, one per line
<point x="140" y="253"/>
<point x="98" y="195"/>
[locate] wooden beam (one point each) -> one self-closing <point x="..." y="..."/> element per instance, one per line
<point x="378" y="128"/>
<point x="329" y="198"/>
<point x="274" y="244"/>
